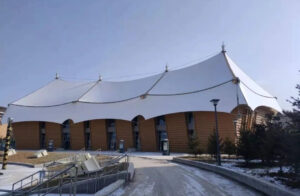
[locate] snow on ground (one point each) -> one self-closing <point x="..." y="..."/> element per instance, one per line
<point x="14" y="173"/>
<point x="225" y="186"/>
<point x="151" y="155"/>
<point x="162" y="177"/>
<point x="258" y="171"/>
<point x="156" y="155"/>
<point x="192" y="187"/>
<point x="119" y="192"/>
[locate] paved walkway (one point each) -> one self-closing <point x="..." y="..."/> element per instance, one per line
<point x="163" y="178"/>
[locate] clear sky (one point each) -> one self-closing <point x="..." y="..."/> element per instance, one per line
<point x="125" y="39"/>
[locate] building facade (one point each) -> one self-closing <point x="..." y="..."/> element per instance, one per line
<point x="138" y="134"/>
<point x="142" y="112"/>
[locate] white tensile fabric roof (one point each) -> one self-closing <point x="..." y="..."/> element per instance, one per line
<point x="182" y="90"/>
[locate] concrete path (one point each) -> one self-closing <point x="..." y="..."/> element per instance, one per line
<point x="163" y="178"/>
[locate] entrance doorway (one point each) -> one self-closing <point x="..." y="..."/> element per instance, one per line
<point x="161" y="133"/>
<point x="87" y="135"/>
<point x="136" y="137"/>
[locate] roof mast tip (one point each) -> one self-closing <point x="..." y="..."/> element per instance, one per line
<point x="167" y="68"/>
<point x="223" y="47"/>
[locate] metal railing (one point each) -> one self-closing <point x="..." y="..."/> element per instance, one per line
<point x="64" y="160"/>
<point x="45" y="182"/>
<point x="114" y="160"/>
<point x="33" y="179"/>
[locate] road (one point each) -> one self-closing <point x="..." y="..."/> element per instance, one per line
<point x="163" y="178"/>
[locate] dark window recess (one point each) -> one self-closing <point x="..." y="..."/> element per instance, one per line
<point x="42" y="134"/>
<point x="190" y="122"/>
<point x="161" y="133"/>
<point x="87" y="135"/>
<point x="111" y="134"/>
<point x="135" y="129"/>
<point x="66" y="135"/>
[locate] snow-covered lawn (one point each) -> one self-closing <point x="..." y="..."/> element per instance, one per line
<point x="261" y="173"/>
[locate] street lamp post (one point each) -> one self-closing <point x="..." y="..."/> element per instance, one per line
<point x="215" y="103"/>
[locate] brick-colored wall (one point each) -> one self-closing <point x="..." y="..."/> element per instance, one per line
<point x="27" y="135"/>
<point x="205" y="124"/>
<point x="177" y="132"/>
<point x="3" y="129"/>
<point x="147" y="135"/>
<point x="53" y="132"/>
<point x="98" y="134"/>
<point x="77" y="135"/>
<point x="124" y="132"/>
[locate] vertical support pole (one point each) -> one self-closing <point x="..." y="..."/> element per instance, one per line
<point x="75" y="187"/>
<point x="7" y="143"/>
<point x="60" y="185"/>
<point x="217" y="138"/>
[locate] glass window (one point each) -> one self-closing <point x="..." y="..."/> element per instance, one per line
<point x="66" y="135"/>
<point x="190" y="123"/>
<point x="87" y="135"/>
<point x="42" y="135"/>
<point x="111" y="134"/>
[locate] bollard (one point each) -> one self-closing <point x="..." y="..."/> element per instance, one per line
<point x="7" y="143"/>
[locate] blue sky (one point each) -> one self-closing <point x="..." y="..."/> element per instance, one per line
<point x="125" y="39"/>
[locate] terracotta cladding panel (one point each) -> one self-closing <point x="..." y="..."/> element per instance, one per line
<point x="147" y="135"/>
<point x="27" y="135"/>
<point x="77" y="135"/>
<point x="98" y="134"/>
<point x="226" y="126"/>
<point x="205" y="125"/>
<point x="3" y="128"/>
<point x="124" y="132"/>
<point x="53" y="132"/>
<point x="177" y="132"/>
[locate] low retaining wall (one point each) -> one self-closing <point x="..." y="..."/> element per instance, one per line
<point x="110" y="188"/>
<point x="22" y="164"/>
<point x="92" y="185"/>
<point x="255" y="183"/>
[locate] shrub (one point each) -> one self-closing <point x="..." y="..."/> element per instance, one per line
<point x="293" y="155"/>
<point x="274" y="145"/>
<point x="229" y="147"/>
<point x="247" y="145"/>
<point x="212" y="145"/>
<point x="194" y="146"/>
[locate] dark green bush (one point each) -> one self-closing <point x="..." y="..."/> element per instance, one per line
<point x="229" y="147"/>
<point x="247" y="145"/>
<point x="212" y="145"/>
<point x="194" y="146"/>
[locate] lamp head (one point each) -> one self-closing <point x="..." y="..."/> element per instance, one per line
<point x="215" y="101"/>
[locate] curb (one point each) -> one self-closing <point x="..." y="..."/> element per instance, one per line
<point x="21" y="164"/>
<point x="255" y="183"/>
<point x="110" y="188"/>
